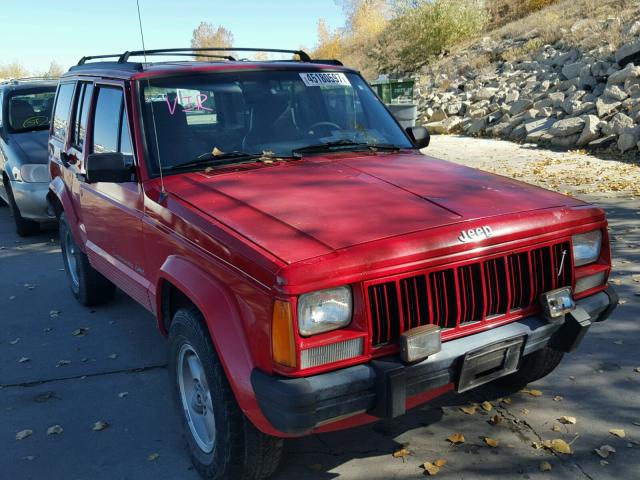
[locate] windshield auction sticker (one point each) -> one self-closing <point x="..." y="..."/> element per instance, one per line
<point x="325" y="79"/>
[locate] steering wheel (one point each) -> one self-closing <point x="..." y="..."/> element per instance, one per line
<point x="322" y="124"/>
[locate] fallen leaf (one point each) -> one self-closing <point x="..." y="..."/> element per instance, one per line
<point x="637" y="369"/>
<point x="604" y="462"/>
<point x="456" y="438"/>
<point x="558" y="398"/>
<point x="495" y="419"/>
<point x="635" y="278"/>
<point x="507" y="401"/>
<point x="567" y="420"/>
<point x="123" y="394"/>
<point x="54" y="430"/>
<point x="80" y="332"/>
<point x="544" y="466"/>
<point x="618" y="342"/>
<point x="54" y="313"/>
<point x="605" y="450"/>
<point x="441" y="462"/>
<point x="487" y="406"/>
<point x="430" y="469"/>
<point x="618" y="432"/>
<point x="13" y="342"/>
<point x="622" y="301"/>
<point x="557" y="445"/>
<point x="401" y="453"/>
<point x="21" y="435"/>
<point x="24" y="359"/>
<point x="100" y="425"/>
<point x="556" y="428"/>
<point x="153" y="457"/>
<point x="29" y="457"/>
<point x="63" y="363"/>
<point x="113" y="356"/>
<point x="12" y="297"/>
<point x="493" y="443"/>
<point x="525" y="411"/>
<point x="470" y="410"/>
<point x="535" y="393"/>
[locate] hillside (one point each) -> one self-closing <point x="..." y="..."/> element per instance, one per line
<point x="566" y="76"/>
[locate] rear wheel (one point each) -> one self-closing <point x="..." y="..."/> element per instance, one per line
<point x="223" y="444"/>
<point x="88" y="285"/>
<point x="24" y="226"/>
<point x="534" y="367"/>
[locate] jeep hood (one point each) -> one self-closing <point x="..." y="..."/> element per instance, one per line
<point x="32" y="145"/>
<point x="306" y="208"/>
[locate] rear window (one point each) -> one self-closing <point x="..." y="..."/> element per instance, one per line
<point x="61" y="115"/>
<point x="30" y="111"/>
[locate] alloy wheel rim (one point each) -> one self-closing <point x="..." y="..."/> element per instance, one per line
<point x="70" y="257"/>
<point x="196" y="398"/>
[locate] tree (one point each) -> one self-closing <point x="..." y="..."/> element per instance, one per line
<point x="55" y="70"/>
<point x="207" y="35"/>
<point x="329" y="42"/>
<point x="13" y="70"/>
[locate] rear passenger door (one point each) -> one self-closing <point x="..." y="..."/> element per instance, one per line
<point x="112" y="212"/>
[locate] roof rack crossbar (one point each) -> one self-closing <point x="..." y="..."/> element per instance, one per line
<point x="83" y="60"/>
<point x="125" y="56"/>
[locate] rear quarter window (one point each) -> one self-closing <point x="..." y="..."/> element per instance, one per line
<point x="61" y="111"/>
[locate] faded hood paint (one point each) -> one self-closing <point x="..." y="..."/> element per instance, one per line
<point x="32" y="145"/>
<point x="307" y="208"/>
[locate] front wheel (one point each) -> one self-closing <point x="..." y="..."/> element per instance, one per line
<point x="24" y="226"/>
<point x="223" y="444"/>
<point x="88" y="285"/>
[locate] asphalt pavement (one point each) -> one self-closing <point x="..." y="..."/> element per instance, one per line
<point x="67" y="365"/>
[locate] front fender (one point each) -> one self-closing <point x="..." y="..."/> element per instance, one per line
<point x="221" y="311"/>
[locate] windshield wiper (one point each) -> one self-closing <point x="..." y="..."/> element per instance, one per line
<point x="341" y="145"/>
<point x="217" y="159"/>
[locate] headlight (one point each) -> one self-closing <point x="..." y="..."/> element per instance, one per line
<point x="324" y="310"/>
<point x="586" y="247"/>
<point x="32" y="173"/>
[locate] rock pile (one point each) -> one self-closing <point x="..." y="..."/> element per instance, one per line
<point x="559" y="96"/>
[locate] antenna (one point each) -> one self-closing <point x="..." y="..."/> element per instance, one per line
<point x="163" y="192"/>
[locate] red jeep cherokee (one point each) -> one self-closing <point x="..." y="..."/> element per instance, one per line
<point x="312" y="269"/>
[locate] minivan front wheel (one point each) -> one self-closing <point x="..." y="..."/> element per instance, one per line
<point x="88" y="285"/>
<point x="223" y="444"/>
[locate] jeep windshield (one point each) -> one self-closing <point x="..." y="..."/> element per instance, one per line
<point x="197" y="121"/>
<point x="30" y="110"/>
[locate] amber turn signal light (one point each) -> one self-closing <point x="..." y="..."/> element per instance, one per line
<point x="283" y="346"/>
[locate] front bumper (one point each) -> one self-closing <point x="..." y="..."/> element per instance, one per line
<point x="297" y="406"/>
<point x="31" y="199"/>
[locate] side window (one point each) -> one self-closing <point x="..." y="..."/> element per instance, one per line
<point x="1" y="106"/>
<point x="106" y="123"/>
<point x="62" y="108"/>
<point x="125" y="137"/>
<point x="81" y="114"/>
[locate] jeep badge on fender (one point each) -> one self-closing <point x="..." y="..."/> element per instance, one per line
<point x="477" y="234"/>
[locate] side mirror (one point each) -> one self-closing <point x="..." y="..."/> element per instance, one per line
<point x="419" y="135"/>
<point x="107" y="167"/>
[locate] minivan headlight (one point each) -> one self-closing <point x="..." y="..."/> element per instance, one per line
<point x="586" y="247"/>
<point x="33" y="173"/>
<point x="324" y="310"/>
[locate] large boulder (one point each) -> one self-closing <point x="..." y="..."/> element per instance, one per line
<point x="591" y="130"/>
<point x="629" y="52"/>
<point x="628" y="138"/>
<point x="621" y="76"/>
<point x="485" y="93"/>
<point x="535" y="129"/>
<point x="618" y="124"/>
<point x="567" y="126"/>
<point x="520" y="106"/>
<point x="605" y="106"/>
<point x="615" y="92"/>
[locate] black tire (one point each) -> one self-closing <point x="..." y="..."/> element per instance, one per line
<point x="24" y="226"/>
<point x="534" y="367"/>
<point x="238" y="451"/>
<point x="88" y="285"/>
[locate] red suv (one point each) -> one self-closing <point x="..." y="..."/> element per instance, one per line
<point x="312" y="269"/>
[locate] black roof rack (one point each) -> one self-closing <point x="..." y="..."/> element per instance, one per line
<point x="160" y="51"/>
<point x="15" y="81"/>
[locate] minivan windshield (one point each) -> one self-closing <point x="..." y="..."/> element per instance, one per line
<point x="30" y="110"/>
<point x="192" y="119"/>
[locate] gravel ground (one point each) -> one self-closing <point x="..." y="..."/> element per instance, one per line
<point x="74" y="381"/>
